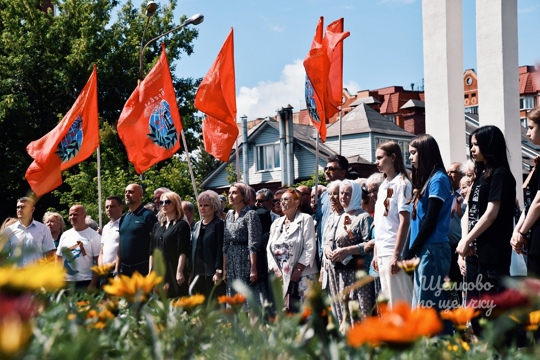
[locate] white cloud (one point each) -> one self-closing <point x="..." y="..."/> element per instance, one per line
<point x="352" y="86"/>
<point x="267" y="96"/>
<point x="277" y="28"/>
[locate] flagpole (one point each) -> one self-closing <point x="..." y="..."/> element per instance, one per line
<point x="100" y="210"/>
<point x="340" y="130"/>
<point x="237" y="159"/>
<point x="317" y="168"/>
<point x="189" y="165"/>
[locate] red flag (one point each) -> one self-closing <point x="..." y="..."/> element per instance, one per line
<point x="317" y="64"/>
<point x="333" y="40"/>
<point x="216" y="97"/>
<point x="149" y="125"/>
<point x="73" y="140"/>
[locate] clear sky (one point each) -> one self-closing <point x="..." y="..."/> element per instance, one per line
<point x="273" y="37"/>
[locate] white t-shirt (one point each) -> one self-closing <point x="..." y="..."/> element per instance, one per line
<point x="79" y="268"/>
<point x="386" y="227"/>
<point x="29" y="243"/>
<point x="109" y="239"/>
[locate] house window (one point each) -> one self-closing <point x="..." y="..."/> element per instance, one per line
<point x="523" y="122"/>
<point x="471" y="110"/>
<point x="267" y="157"/>
<point x="392" y="118"/>
<point x="526" y="103"/>
<point x="403" y="144"/>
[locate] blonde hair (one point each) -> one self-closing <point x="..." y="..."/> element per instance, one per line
<point x="176" y="201"/>
<point x="57" y="216"/>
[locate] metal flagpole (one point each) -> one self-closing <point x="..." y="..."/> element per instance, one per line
<point x="340" y="130"/>
<point x="317" y="168"/>
<point x="189" y="165"/>
<point x="100" y="210"/>
<point x="237" y="157"/>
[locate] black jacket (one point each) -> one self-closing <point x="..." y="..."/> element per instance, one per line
<point x="212" y="243"/>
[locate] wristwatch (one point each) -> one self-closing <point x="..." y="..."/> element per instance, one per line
<point x="219" y="271"/>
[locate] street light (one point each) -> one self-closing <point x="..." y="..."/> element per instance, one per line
<point x="151" y="8"/>
<point x="194" y="20"/>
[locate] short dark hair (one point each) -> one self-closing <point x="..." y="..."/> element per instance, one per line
<point x="268" y="195"/>
<point x="341" y="160"/>
<point x="117" y="198"/>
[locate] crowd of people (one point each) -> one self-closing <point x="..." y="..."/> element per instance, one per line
<point x="461" y="222"/>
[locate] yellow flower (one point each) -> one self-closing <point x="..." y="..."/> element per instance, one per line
<point x="237" y="299"/>
<point x="41" y="275"/>
<point x="532" y="321"/>
<point x="102" y="270"/>
<point x="14" y="335"/>
<point x="133" y="289"/>
<point x="460" y="316"/>
<point x="189" y="302"/>
<point x="409" y="265"/>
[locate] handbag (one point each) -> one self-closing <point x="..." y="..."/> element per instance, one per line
<point x="518" y="266"/>
<point x="293" y="299"/>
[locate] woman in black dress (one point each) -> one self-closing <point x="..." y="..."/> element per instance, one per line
<point x="207" y="247"/>
<point x="171" y="235"/>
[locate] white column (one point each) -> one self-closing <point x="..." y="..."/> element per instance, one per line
<point x="443" y="76"/>
<point x="498" y="74"/>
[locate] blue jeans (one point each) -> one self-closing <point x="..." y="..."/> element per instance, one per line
<point x="429" y="276"/>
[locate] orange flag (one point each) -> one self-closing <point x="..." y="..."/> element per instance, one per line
<point x="316" y="65"/>
<point x="216" y="97"/>
<point x="73" y="140"/>
<point x="149" y="125"/>
<point x="333" y="40"/>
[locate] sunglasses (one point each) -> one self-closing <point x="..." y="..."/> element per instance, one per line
<point x="331" y="168"/>
<point x="165" y="202"/>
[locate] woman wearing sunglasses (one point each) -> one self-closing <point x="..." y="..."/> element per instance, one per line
<point x="172" y="235"/>
<point x="392" y="219"/>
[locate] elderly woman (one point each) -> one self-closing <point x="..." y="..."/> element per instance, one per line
<point x="242" y="242"/>
<point x="171" y="235"/>
<point x="55" y="223"/>
<point x="207" y="247"/>
<point x="291" y="249"/>
<point x="330" y="227"/>
<point x="350" y="249"/>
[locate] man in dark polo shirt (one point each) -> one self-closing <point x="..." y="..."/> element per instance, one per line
<point x="135" y="229"/>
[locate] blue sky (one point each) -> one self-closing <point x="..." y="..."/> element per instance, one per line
<point x="273" y="37"/>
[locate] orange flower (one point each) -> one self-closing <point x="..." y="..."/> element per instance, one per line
<point x="189" y="302"/>
<point x="134" y="289"/>
<point x="398" y="326"/>
<point x="532" y="321"/>
<point x="460" y="316"/>
<point x="409" y="265"/>
<point x="235" y="300"/>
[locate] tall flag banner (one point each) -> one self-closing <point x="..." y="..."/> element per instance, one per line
<point x="150" y="124"/>
<point x="333" y="40"/>
<point x="72" y="141"/>
<point x="216" y="97"/>
<point x="317" y="65"/>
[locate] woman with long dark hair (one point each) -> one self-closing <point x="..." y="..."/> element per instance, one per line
<point x="392" y="220"/>
<point x="526" y="236"/>
<point x="430" y="221"/>
<point x="484" y="241"/>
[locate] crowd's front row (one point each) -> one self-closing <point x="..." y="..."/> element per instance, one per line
<point x="449" y="223"/>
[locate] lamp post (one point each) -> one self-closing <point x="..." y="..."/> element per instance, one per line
<point x="194" y="20"/>
<point x="151" y="8"/>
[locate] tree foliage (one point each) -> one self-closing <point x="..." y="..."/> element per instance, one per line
<point x="46" y="57"/>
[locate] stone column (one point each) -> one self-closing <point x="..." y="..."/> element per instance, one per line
<point x="498" y="74"/>
<point x="443" y="76"/>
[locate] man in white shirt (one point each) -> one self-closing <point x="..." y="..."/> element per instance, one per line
<point x="84" y="244"/>
<point x="29" y="239"/>
<point x="114" y="207"/>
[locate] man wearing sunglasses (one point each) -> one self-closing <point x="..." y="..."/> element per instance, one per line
<point x="135" y="228"/>
<point x="335" y="169"/>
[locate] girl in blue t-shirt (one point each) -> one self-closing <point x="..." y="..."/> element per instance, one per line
<point x="430" y="220"/>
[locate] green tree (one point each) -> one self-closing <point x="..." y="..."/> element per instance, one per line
<point x="46" y="58"/>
